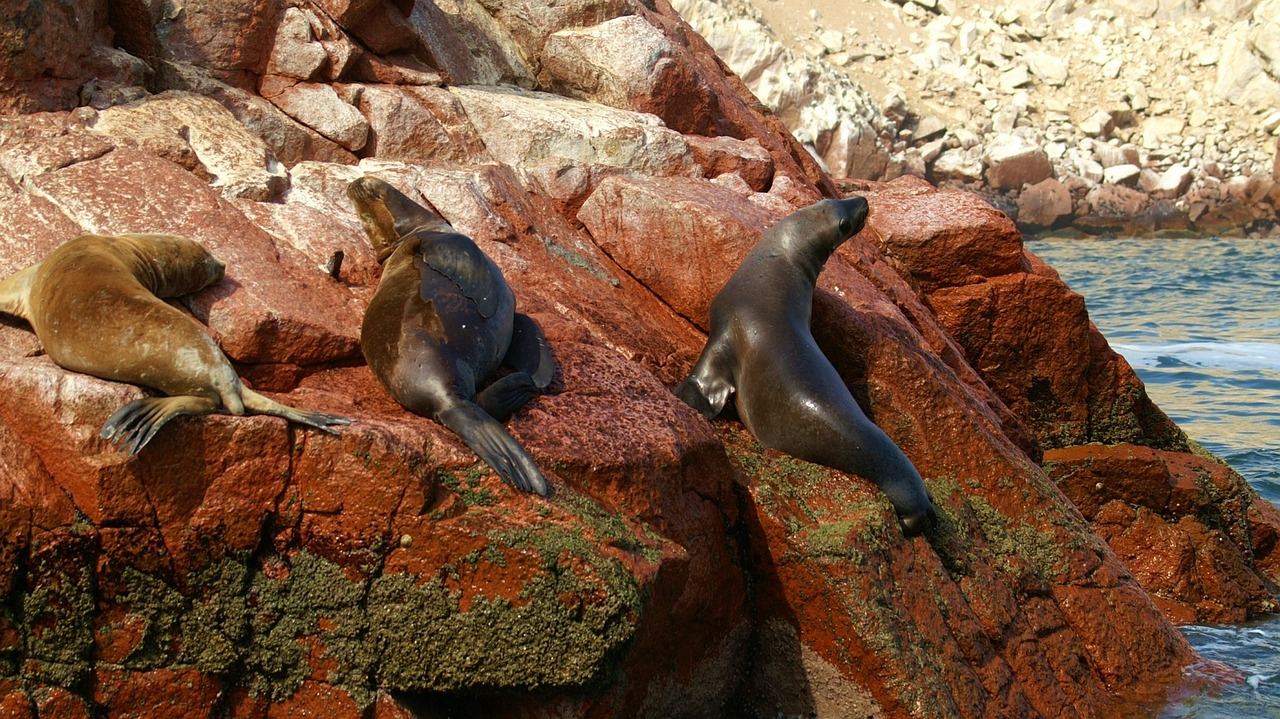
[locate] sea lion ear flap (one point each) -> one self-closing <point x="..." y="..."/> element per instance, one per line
<point x="709" y="401"/>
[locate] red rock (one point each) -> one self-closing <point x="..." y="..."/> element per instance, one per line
<point x="946" y="237"/>
<point x="642" y="223"/>
<point x="1275" y="166"/>
<point x="1068" y="385"/>
<point x="229" y="36"/>
<point x="177" y="693"/>
<point x="1044" y="203"/>
<point x="114" y="195"/>
<point x="1112" y="209"/>
<point x="14" y="702"/>
<point x="1013" y="161"/>
<point x="58" y="702"/>
<point x="277" y="559"/>
<point x="747" y="159"/>
<point x="1182" y="524"/>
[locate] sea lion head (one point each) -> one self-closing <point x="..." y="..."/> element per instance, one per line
<point x="169" y="265"/>
<point x="388" y="215"/>
<point x="815" y="232"/>
<point x="844" y="218"/>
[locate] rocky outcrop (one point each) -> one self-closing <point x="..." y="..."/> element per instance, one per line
<point x="1179" y="104"/>
<point x="244" y="567"/>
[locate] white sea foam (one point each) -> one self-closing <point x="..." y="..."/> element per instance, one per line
<point x="1205" y="355"/>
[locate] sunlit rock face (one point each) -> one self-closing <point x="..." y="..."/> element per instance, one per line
<point x="241" y="566"/>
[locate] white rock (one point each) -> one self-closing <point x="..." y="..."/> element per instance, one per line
<point x="1242" y="79"/>
<point x="1013" y="78"/>
<point x="1173" y="182"/>
<point x="1158" y="130"/>
<point x="238" y="160"/>
<point x="956" y="164"/>
<point x="1099" y="124"/>
<point x="1049" y="68"/>
<point x="1121" y="175"/>
<point x="524" y="128"/>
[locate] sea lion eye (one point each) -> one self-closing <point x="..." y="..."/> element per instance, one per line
<point x="846" y="226"/>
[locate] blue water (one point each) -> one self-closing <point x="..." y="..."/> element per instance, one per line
<point x="1199" y="320"/>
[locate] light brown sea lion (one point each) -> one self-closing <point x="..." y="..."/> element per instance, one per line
<point x="761" y="352"/>
<point x="95" y="303"/>
<point x="440" y="324"/>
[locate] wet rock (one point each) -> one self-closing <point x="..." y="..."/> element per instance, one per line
<point x="1182" y="524"/>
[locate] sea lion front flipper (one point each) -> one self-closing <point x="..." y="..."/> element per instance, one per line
<point x="506" y="395"/>
<point x="456" y="257"/>
<point x="529" y="351"/>
<point x="491" y="442"/>
<point x="255" y="403"/>
<point x="134" y="424"/>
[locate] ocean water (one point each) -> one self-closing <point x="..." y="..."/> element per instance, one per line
<point x="1199" y="320"/>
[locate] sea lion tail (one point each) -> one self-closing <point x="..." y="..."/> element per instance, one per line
<point x="134" y="424"/>
<point x="491" y="441"/>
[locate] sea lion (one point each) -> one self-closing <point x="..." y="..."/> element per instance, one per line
<point x="441" y="322"/>
<point x="96" y="305"/>
<point x="761" y="351"/>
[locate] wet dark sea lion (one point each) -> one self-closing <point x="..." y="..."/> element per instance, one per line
<point x="96" y="305"/>
<point x="441" y="323"/>
<point x="761" y="352"/>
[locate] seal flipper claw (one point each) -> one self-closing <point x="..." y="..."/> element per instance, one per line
<point x="135" y="424"/>
<point x="491" y="442"/>
<point x="508" y="394"/>
<point x="529" y="351"/>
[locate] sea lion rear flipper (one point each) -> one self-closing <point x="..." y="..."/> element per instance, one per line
<point x="491" y="442"/>
<point x="456" y="257"/>
<point x="14" y="291"/>
<point x="255" y="403"/>
<point x="134" y="424"/>
<point x="529" y="351"/>
<point x="506" y="395"/>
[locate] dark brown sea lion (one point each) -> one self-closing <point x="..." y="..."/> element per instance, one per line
<point x="95" y="303"/>
<point x="441" y="323"/>
<point x="761" y="352"/>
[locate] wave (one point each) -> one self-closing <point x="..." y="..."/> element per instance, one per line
<point x="1204" y="355"/>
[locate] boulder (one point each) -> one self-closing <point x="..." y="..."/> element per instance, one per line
<point x="1171" y="183"/>
<point x="678" y="567"/>
<point x="319" y="107"/>
<point x="1183" y="524"/>
<point x="1242" y="78"/>
<point x="1126" y="175"/>
<point x="1013" y="161"/>
<point x="202" y="135"/>
<point x="1041" y="205"/>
